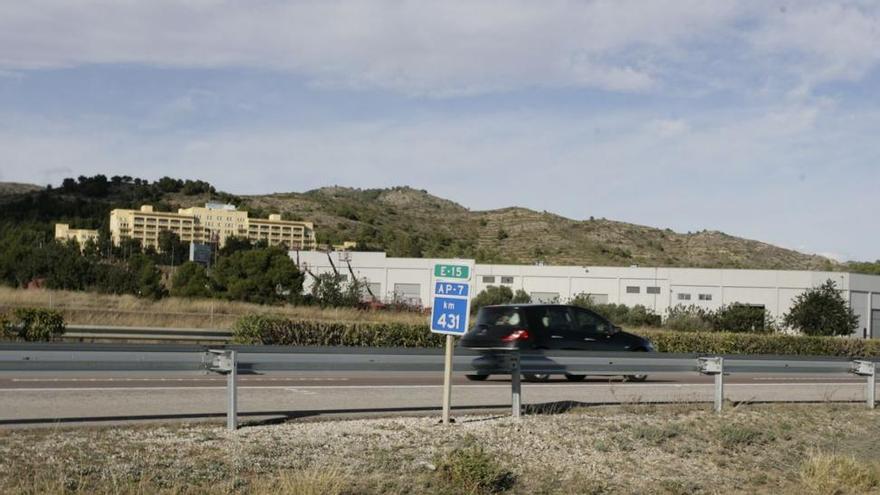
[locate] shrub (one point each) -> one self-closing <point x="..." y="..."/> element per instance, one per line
<point x="750" y="343"/>
<point x="331" y="290"/>
<point x="689" y="319"/>
<point x="619" y="314"/>
<point x="499" y="295"/>
<point x="33" y="324"/>
<point x="472" y="470"/>
<point x="821" y="311"/>
<point x="743" y="318"/>
<point x="277" y="330"/>
<point x="833" y="473"/>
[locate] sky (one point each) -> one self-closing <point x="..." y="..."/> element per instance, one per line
<point x="757" y="118"/>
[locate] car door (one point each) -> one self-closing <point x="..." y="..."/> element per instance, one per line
<point x="557" y="326"/>
<point x="591" y="332"/>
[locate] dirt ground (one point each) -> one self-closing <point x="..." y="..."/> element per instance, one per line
<point x="644" y="449"/>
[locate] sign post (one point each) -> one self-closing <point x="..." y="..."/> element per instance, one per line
<point x="450" y="312"/>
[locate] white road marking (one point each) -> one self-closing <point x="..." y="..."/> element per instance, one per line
<point x="205" y="379"/>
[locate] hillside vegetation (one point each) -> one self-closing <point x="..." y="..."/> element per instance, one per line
<point x="407" y="222"/>
<point x="410" y="222"/>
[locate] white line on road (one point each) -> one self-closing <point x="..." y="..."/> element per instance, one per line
<point x="205" y="379"/>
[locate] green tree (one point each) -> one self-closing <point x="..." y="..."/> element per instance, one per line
<point x="499" y="295"/>
<point x="821" y="311"/>
<point x="33" y="324"/>
<point x="264" y="276"/>
<point x="235" y="244"/>
<point x="191" y="280"/>
<point x="333" y="290"/>
<point x="174" y="251"/>
<point x="521" y="297"/>
<point x="146" y="277"/>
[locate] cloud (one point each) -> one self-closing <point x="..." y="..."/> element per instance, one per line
<point x="420" y="48"/>
<point x="737" y="171"/>
<point x="823" y="42"/>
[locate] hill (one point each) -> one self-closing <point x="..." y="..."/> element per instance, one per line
<point x="407" y="222"/>
<point x="13" y="188"/>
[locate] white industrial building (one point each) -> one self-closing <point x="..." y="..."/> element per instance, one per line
<point x="409" y="279"/>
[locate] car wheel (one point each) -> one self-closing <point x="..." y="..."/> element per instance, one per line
<point x="636" y="378"/>
<point x="477" y="378"/>
<point x="536" y="377"/>
<point x="575" y="378"/>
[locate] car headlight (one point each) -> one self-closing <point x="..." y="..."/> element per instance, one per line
<point x="650" y="347"/>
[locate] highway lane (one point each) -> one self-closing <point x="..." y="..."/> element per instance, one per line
<point x="84" y="398"/>
<point x="73" y="380"/>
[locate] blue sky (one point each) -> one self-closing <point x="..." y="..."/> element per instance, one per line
<point x="757" y="118"/>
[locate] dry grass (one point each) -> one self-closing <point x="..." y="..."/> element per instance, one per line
<point x="834" y="474"/>
<point x="88" y="308"/>
<point x="800" y="449"/>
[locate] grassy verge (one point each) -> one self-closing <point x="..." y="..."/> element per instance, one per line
<point x="779" y="449"/>
<point x="87" y="308"/>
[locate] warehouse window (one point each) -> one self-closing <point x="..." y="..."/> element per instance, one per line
<point x="705" y="297"/>
<point x="506" y="280"/>
<point x="633" y="289"/>
<point x="684" y="297"/>
<point x="652" y="290"/>
<point x="488" y="280"/>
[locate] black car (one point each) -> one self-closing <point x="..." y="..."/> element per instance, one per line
<point x="547" y="326"/>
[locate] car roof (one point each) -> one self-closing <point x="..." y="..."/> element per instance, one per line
<point x="529" y="305"/>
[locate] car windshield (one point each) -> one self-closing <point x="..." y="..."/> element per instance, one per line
<point x="499" y="316"/>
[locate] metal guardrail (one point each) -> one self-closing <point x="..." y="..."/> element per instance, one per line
<point x="233" y="360"/>
<point x="113" y="332"/>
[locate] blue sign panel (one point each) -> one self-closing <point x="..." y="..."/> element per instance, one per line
<point x="451" y="289"/>
<point x="449" y="315"/>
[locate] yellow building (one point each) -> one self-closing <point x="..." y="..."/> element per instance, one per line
<point x="64" y="233"/>
<point x="213" y="223"/>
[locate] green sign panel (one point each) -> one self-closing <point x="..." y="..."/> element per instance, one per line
<point x="452" y="271"/>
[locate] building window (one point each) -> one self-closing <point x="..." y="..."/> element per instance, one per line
<point x="652" y="290"/>
<point x="506" y="280"/>
<point x="488" y="280"/>
<point x="632" y="289"/>
<point x="684" y="297"/>
<point x="705" y="297"/>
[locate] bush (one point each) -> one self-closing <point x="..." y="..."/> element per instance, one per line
<point x="331" y="290"/>
<point x="619" y="314"/>
<point x="821" y="311"/>
<point x="33" y="324"/>
<point x="492" y="295"/>
<point x="750" y="343"/>
<point x="743" y="318"/>
<point x="689" y="319"/>
<point x="276" y="330"/>
<point x="471" y="470"/>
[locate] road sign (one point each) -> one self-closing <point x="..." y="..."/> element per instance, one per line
<point x="450" y="299"/>
<point x="452" y="271"/>
<point x="449" y="316"/>
<point x="450" y="309"/>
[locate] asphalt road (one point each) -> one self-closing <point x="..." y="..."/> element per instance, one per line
<point x="82" y="398"/>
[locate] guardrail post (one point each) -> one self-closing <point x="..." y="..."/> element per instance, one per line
<point x="226" y="362"/>
<point x="867" y="369"/>
<point x="515" y="385"/>
<point x="715" y="366"/>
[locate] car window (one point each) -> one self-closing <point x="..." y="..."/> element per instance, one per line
<point x="587" y="321"/>
<point x="499" y="316"/>
<point x="557" y="318"/>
